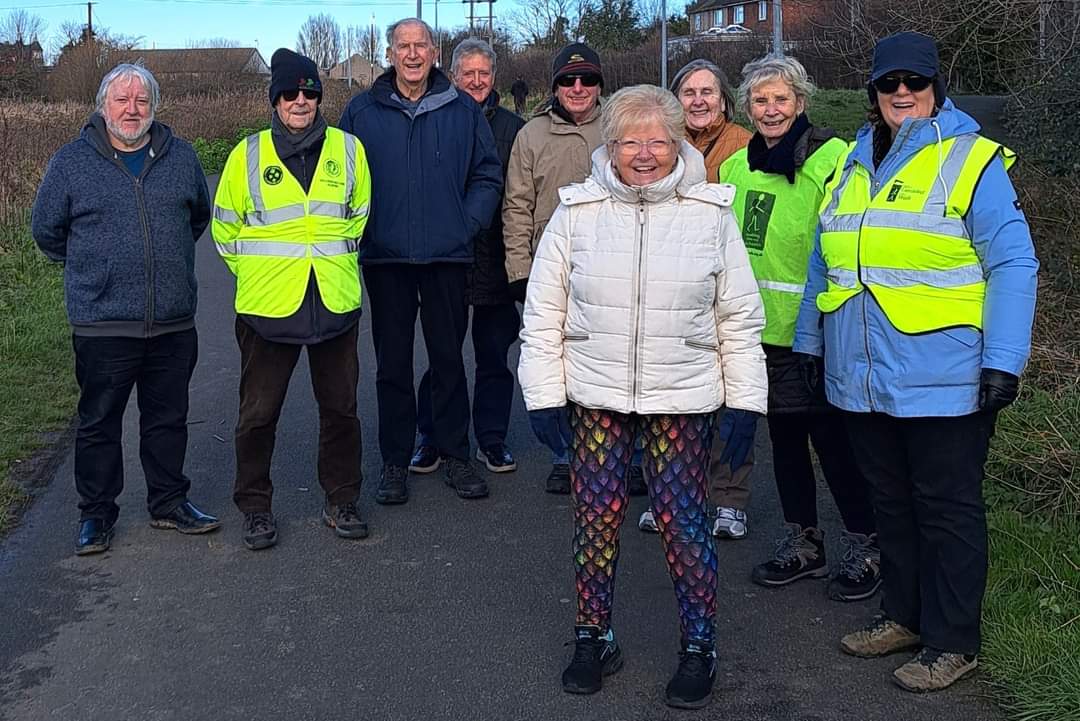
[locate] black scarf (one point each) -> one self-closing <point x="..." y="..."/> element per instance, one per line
<point x="288" y="143"/>
<point x="780" y="158"/>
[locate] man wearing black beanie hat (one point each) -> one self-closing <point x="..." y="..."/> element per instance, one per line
<point x="292" y="243"/>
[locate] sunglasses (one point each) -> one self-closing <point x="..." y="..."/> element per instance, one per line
<point x="889" y="84"/>
<point x="291" y="95"/>
<point x="567" y="81"/>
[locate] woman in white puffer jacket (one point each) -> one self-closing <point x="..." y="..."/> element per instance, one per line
<point x="642" y="318"/>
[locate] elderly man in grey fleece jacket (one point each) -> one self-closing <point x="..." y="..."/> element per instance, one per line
<point x="121" y="208"/>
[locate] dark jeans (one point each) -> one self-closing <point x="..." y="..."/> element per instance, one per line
<point x="106" y="369"/>
<point x="395" y="292"/>
<point x="791" y="434"/>
<point x="926" y="478"/>
<point x="265" y="370"/>
<point x="494" y="330"/>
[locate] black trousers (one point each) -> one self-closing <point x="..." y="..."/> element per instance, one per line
<point x="107" y="368"/>
<point x="791" y="435"/>
<point x="265" y="370"/>
<point x="926" y="479"/>
<point x="396" y="292"/>
<point x="494" y="329"/>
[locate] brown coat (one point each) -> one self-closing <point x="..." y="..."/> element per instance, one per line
<point x="717" y="143"/>
<point x="549" y="152"/>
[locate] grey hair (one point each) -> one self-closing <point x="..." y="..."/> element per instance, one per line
<point x="721" y="81"/>
<point x="408" y="21"/>
<point x="472" y="46"/>
<point x="771" y="67"/>
<point x="124" y="71"/>
<point x="642" y="102"/>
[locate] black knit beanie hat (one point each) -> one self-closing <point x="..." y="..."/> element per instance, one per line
<point x="576" y="59"/>
<point x="292" y="71"/>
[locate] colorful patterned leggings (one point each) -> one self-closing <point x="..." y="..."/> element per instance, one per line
<point x="676" y="472"/>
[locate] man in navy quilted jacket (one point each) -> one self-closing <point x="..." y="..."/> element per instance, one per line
<point x="436" y="183"/>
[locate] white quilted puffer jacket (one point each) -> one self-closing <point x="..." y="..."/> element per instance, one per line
<point x="641" y="300"/>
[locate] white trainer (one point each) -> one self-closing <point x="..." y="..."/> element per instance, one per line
<point x="647" y="523"/>
<point x="730" y="523"/>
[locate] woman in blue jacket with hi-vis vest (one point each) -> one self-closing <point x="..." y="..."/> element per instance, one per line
<point x="920" y="296"/>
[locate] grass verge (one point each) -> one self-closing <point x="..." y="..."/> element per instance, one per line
<point x="37" y="385"/>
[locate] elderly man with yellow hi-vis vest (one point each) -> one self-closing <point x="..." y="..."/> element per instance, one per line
<point x="290" y="208"/>
<point x="921" y="296"/>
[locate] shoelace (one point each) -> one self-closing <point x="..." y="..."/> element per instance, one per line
<point x="853" y="562"/>
<point x="787" y="548"/>
<point x="586" y="650"/>
<point x="929" y="657"/>
<point x="879" y="624"/>
<point x="349" y="512"/>
<point x="260" y="522"/>
<point x="694" y="663"/>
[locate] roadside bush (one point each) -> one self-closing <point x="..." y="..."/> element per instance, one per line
<point x="1043" y="119"/>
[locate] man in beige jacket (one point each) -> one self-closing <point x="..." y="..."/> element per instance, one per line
<point x="552" y="150"/>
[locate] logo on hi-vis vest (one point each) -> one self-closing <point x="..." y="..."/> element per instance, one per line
<point x="894" y="191"/>
<point x="273" y="175"/>
<point x="756" y="213"/>
<point x="903" y="193"/>
<point x="332" y="168"/>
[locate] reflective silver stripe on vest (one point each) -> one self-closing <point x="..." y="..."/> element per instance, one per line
<point x="350" y="167"/>
<point x="277" y="215"/>
<point x="843" y="278"/>
<point x="225" y="215"/>
<point x="830" y="211"/>
<point x="950" y="171"/>
<point x="905" y="277"/>
<point x="273" y="248"/>
<point x="333" y="247"/>
<point x="328" y="209"/>
<point x="920" y="222"/>
<point x="254" y="190"/>
<point x="848" y="222"/>
<point x="226" y="248"/>
<point x="360" y="212"/>
<point x="781" y="287"/>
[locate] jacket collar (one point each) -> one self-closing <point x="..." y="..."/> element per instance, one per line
<point x="689" y="170"/>
<point x="440" y="91"/>
<point x="702" y="139"/>
<point x="562" y="125"/>
<point x="96" y="135"/>
<point x="914" y="135"/>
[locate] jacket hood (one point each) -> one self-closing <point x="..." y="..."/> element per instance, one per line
<point x="96" y="134"/>
<point x="440" y="91"/>
<point x="688" y="172"/>
<point x="916" y="133"/>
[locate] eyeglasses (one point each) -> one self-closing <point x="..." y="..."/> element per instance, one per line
<point x="889" y="84"/>
<point x="567" y="81"/>
<point x="630" y="148"/>
<point x="291" y="95"/>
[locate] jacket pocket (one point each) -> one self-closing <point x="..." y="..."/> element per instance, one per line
<point x="701" y="345"/>
<point x="967" y="336"/>
<point x="574" y="337"/>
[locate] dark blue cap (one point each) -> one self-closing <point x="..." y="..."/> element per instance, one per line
<point x="906" y="51"/>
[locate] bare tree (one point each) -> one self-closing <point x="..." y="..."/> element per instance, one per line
<point x="545" y="23"/>
<point x="213" y="43"/>
<point x="21" y="27"/>
<point x="320" y="39"/>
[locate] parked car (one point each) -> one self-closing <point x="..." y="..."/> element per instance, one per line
<point x="726" y="30"/>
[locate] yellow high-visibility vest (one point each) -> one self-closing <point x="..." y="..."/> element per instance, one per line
<point x="272" y="235"/>
<point x="906" y="242"/>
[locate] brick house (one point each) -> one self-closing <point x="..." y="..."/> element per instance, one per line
<point x="20" y="57"/>
<point x="195" y="67"/>
<point x="362" y="71"/>
<point x="797" y="16"/>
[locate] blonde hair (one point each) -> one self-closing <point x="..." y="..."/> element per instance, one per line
<point x="785" y="69"/>
<point x="633" y="104"/>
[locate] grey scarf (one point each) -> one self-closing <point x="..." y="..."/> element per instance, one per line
<point x="288" y="143"/>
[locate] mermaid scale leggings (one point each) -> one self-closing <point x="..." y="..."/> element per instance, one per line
<point x="676" y="462"/>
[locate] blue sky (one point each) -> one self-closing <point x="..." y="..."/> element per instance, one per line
<point x="266" y="24"/>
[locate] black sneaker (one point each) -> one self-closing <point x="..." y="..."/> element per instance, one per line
<point x="691" y="686"/>
<point x="462" y="478"/>
<point x="393" y="485"/>
<point x="497" y="458"/>
<point x="558" y="481"/>
<point x="260" y="531"/>
<point x="800" y="553"/>
<point x="859" y="576"/>
<point x="345" y="520"/>
<point x="637" y="481"/>
<point x="595" y="655"/>
<point x="425" y="460"/>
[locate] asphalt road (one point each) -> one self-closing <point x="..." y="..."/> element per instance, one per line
<point x="451" y="609"/>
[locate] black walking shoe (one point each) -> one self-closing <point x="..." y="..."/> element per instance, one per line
<point x="95" y="536"/>
<point x="497" y="458"/>
<point x="393" y="485"/>
<point x="462" y="478"/>
<point x="691" y="686"/>
<point x="595" y="655"/>
<point x="800" y="553"/>
<point x="859" y="576"/>
<point x="425" y="460"/>
<point x="345" y="520"/>
<point x="558" y="481"/>
<point x="260" y="531"/>
<point x="637" y="481"/>
<point x="186" y="518"/>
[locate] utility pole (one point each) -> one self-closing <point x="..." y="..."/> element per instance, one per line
<point x="663" y="43"/>
<point x="89" y="21"/>
<point x="778" y="27"/>
<point x="419" y="9"/>
<point x="491" y="23"/>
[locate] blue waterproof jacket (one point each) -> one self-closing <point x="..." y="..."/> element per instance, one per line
<point x="435" y="174"/>
<point x="869" y="364"/>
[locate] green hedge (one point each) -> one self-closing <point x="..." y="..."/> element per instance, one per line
<point x="214" y="152"/>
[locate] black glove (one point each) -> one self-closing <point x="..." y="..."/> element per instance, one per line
<point x="552" y="427"/>
<point x="997" y="389"/>
<point x="518" y="288"/>
<point x="812" y="368"/>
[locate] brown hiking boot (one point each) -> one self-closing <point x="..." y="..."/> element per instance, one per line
<point x="881" y="637"/>
<point x="933" y="670"/>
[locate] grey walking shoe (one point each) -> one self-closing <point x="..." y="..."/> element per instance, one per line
<point x="933" y="670"/>
<point x="345" y="520"/>
<point x="880" y="637"/>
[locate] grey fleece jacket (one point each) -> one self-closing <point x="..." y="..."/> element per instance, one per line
<point x="127" y="243"/>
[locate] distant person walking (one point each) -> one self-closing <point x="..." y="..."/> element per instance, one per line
<point x="920" y="297"/>
<point x="519" y="90"/>
<point x="290" y="208"/>
<point x="121" y="208"/>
